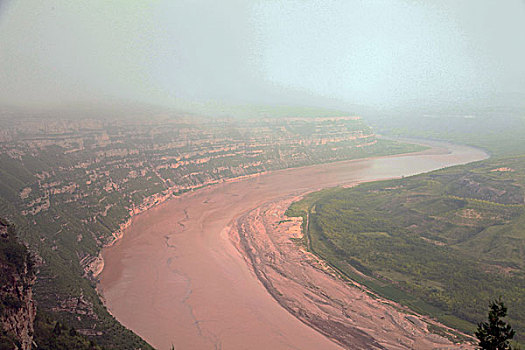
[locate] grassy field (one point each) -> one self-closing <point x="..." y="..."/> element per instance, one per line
<point x="443" y="243"/>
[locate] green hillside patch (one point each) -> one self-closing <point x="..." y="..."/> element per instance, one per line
<point x="442" y="243"/>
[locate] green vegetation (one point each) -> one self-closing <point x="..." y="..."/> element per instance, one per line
<point x="496" y="333"/>
<point x="498" y="131"/>
<point x="442" y="243"/>
<point x="53" y="335"/>
<point x="13" y="255"/>
<point x="15" y="265"/>
<point x="16" y="280"/>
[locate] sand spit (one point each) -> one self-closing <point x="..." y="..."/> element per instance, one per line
<point x="176" y="277"/>
<point x="310" y="290"/>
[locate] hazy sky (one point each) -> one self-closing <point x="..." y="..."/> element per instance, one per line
<point x="378" y="53"/>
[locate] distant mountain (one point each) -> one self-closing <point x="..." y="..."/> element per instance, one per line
<point x="499" y="130"/>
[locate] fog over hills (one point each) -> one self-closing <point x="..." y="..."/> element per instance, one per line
<point x="336" y="54"/>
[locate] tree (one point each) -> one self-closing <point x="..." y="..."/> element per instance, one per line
<point x="58" y="329"/>
<point x="496" y="333"/>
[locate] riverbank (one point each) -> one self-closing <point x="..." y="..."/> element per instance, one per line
<point x="315" y="293"/>
<point x="176" y="277"/>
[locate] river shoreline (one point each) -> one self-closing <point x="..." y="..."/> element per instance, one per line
<point x="117" y="235"/>
<point x="341" y="309"/>
<point x="176" y="277"/>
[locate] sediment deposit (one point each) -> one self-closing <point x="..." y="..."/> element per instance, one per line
<point x="309" y="289"/>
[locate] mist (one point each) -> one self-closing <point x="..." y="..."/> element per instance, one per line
<point x="261" y="174"/>
<point x="381" y="54"/>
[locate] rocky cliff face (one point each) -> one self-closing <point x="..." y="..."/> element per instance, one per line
<point x="17" y="307"/>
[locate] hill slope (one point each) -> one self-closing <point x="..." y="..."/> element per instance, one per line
<point x="444" y="243"/>
<point x="21" y="327"/>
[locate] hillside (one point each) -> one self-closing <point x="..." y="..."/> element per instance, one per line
<point x="499" y="131"/>
<point x="17" y="308"/>
<point x="21" y="327"/>
<point x="71" y="185"/>
<point x="443" y="243"/>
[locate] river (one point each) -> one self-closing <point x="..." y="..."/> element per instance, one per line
<point x="177" y="278"/>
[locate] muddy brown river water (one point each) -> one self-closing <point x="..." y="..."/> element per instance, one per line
<point x="177" y="278"/>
